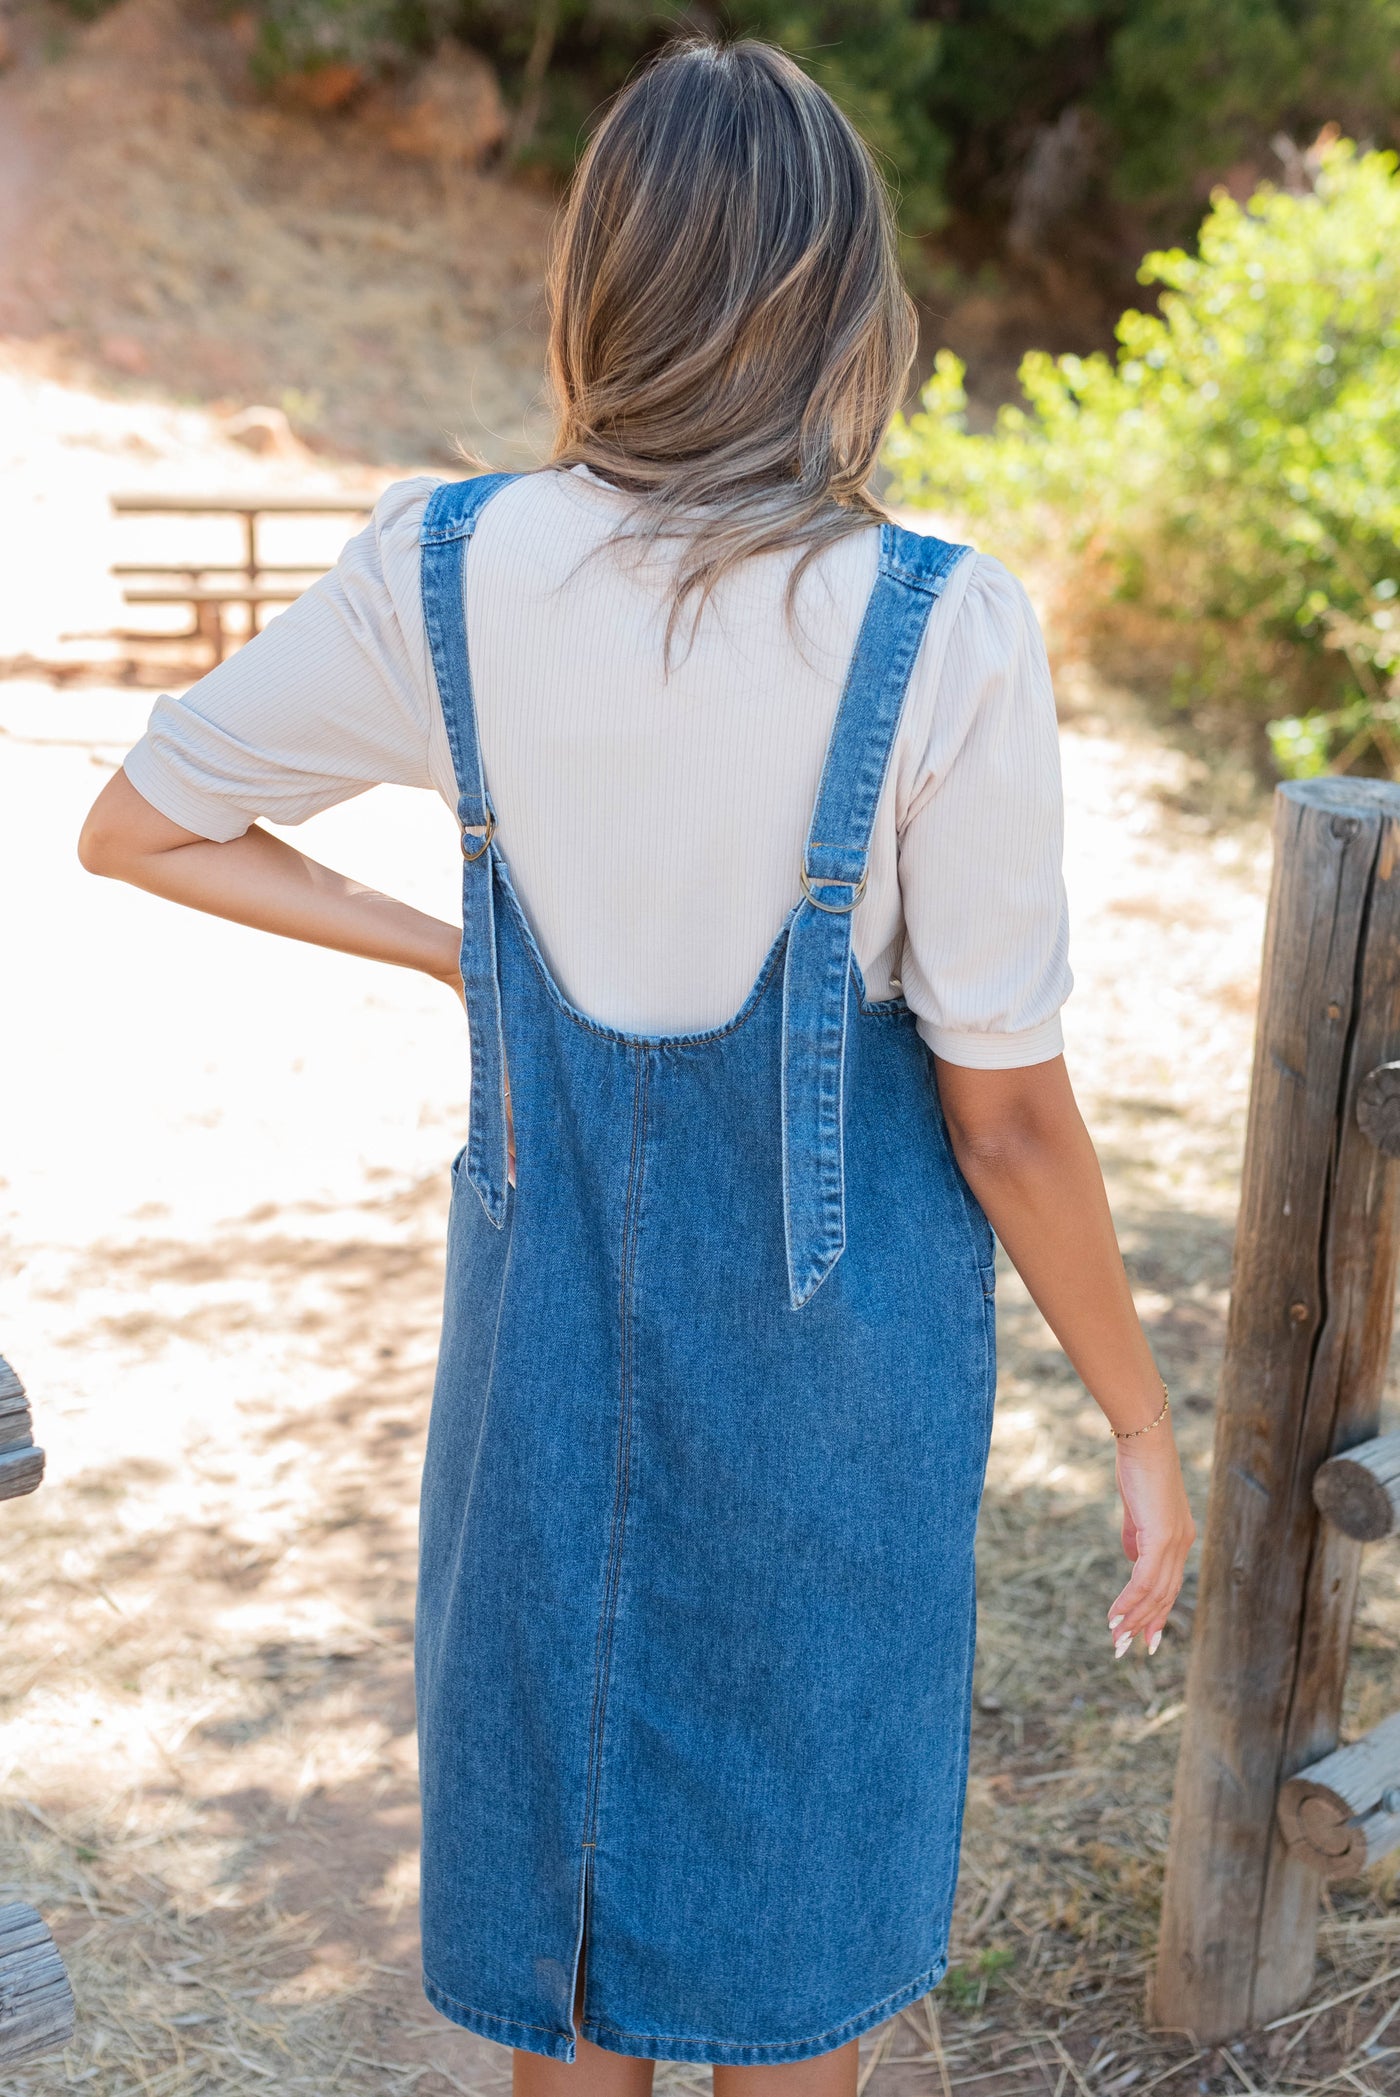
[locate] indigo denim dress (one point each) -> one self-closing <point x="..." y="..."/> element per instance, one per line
<point x="696" y="1604"/>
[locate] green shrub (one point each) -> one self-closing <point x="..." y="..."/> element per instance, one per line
<point x="1234" y="472"/>
<point x="297" y="36"/>
<point x="1192" y="84"/>
<point x="967" y="1987"/>
<point x="1179" y="88"/>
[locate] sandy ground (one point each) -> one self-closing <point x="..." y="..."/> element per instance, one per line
<point x="223" y="1188"/>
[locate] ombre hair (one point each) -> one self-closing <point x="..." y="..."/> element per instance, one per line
<point x="729" y="331"/>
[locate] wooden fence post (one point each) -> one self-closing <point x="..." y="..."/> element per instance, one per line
<point x="1309" y="1329"/>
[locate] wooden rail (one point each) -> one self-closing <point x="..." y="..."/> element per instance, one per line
<point x="1360" y="1492"/>
<point x="1309" y="1328"/>
<point x="1344" y="1812"/>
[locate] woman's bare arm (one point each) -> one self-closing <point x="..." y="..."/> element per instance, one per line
<point x="258" y="880"/>
<point x="1026" y="1154"/>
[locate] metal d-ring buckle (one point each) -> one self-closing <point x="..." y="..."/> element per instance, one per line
<point x="835" y="909"/>
<point x="486" y="837"/>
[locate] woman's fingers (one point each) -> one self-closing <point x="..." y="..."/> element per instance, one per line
<point x="1158" y="1532"/>
<point x="1141" y="1608"/>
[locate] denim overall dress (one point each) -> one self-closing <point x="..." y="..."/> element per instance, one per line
<point x="696" y="1607"/>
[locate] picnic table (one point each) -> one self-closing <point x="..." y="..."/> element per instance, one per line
<point x="209" y="588"/>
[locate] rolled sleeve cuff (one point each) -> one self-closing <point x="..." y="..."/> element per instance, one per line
<point x="996" y="1051"/>
<point x="207" y="815"/>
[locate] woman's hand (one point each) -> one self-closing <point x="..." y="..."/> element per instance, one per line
<point x="1158" y="1532"/>
<point x="1026" y="1154"/>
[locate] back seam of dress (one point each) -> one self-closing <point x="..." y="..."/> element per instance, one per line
<point x="613" y="1576"/>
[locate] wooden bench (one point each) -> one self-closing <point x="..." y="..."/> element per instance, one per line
<point x="208" y="602"/>
<point x="209" y="588"/>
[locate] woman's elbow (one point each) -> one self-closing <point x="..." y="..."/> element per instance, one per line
<point x="123" y="832"/>
<point x="103" y="845"/>
<point x="1001" y="1150"/>
<point x="1000" y="1121"/>
<point x="95" y="846"/>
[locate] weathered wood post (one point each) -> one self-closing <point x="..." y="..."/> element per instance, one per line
<point x="36" y="2002"/>
<point x="1309" y="1329"/>
<point x="21" y="1464"/>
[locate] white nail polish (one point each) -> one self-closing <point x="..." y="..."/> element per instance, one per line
<point x="1153" y="1643"/>
<point x="1122" y="1644"/>
<point x="1115" y="1621"/>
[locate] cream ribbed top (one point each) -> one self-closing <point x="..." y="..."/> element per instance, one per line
<point x="654" y="825"/>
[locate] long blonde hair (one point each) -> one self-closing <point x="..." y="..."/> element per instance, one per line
<point x="729" y="331"/>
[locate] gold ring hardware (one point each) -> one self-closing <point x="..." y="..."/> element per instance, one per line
<point x="486" y="836"/>
<point x="835" y="909"/>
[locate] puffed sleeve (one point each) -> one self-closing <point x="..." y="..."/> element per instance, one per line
<point x="985" y="964"/>
<point x="333" y="697"/>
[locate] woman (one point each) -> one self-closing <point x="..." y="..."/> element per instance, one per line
<point x="763" y="950"/>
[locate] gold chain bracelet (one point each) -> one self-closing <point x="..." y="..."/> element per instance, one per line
<point x="1131" y="1434"/>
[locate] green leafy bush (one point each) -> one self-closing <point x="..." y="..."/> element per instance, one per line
<point x="1178" y="88"/>
<point x="1192" y="84"/>
<point x="1233" y="473"/>
<point x="374" y="36"/>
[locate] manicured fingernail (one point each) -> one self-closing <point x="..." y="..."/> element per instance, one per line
<point x="1121" y="1644"/>
<point x="1115" y="1621"/>
<point x="1153" y="1643"/>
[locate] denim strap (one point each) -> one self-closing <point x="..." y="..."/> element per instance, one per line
<point x="448" y="523"/>
<point x="817" y="969"/>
